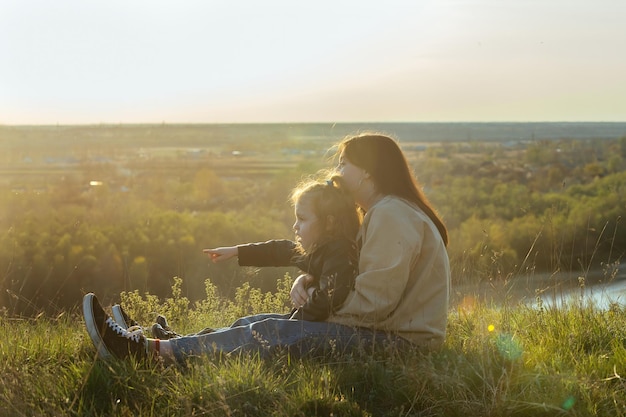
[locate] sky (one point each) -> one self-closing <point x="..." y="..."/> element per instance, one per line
<point x="288" y="61"/>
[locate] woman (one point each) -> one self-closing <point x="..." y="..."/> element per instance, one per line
<point x="400" y="295"/>
<point x="404" y="283"/>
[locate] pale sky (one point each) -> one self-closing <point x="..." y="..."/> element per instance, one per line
<point x="210" y="61"/>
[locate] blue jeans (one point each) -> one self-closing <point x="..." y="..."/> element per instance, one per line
<point x="267" y="334"/>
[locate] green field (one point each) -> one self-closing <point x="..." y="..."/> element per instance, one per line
<point x="510" y="361"/>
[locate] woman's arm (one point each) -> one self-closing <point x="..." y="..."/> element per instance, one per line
<point x="392" y="236"/>
<point x="300" y="293"/>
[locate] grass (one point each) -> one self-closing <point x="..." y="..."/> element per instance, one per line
<point x="516" y="360"/>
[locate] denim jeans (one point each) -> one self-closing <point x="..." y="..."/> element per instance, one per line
<point x="267" y="334"/>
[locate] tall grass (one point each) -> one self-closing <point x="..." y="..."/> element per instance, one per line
<point x="521" y="360"/>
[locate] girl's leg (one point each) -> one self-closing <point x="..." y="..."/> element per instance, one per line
<point x="271" y="334"/>
<point x="265" y="336"/>
<point x="244" y="321"/>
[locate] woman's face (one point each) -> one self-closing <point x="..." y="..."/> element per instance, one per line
<point x="351" y="175"/>
<point x="306" y="225"/>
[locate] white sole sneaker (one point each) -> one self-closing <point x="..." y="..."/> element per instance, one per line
<point x="109" y="338"/>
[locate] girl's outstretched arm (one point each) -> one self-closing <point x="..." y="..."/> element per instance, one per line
<point x="222" y="254"/>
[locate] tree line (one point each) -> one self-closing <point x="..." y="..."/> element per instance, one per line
<point x="532" y="206"/>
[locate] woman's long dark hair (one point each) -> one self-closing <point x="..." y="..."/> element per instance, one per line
<point x="383" y="159"/>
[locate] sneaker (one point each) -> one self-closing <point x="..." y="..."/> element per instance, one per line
<point x="109" y="338"/>
<point x="169" y="333"/>
<point x="162" y="321"/>
<point x="121" y="318"/>
<point x="206" y="330"/>
<point x="158" y="332"/>
<point x="161" y="330"/>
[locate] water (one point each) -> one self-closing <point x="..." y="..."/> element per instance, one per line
<point x="599" y="288"/>
<point x="600" y="295"/>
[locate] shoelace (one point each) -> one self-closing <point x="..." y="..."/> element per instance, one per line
<point x="134" y="335"/>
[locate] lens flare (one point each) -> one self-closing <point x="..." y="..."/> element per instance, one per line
<point x="568" y="403"/>
<point x="508" y="347"/>
<point x="467" y="304"/>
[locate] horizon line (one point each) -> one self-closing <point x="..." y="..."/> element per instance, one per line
<point x="163" y="123"/>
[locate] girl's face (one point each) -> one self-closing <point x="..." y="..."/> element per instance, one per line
<point x="352" y="176"/>
<point x="306" y="225"/>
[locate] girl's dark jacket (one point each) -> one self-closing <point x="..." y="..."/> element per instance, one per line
<point x="333" y="264"/>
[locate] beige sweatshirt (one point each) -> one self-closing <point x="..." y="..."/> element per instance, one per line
<point x="404" y="281"/>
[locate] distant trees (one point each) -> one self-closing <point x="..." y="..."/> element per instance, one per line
<point x="557" y="208"/>
<point x="50" y="253"/>
<point x="541" y="206"/>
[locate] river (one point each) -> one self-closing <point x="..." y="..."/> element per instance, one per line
<point x="602" y="295"/>
<point x="599" y="288"/>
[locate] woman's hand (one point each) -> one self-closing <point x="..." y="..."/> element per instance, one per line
<point x="299" y="293"/>
<point x="222" y="254"/>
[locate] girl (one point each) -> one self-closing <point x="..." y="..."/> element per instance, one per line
<point x="326" y="226"/>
